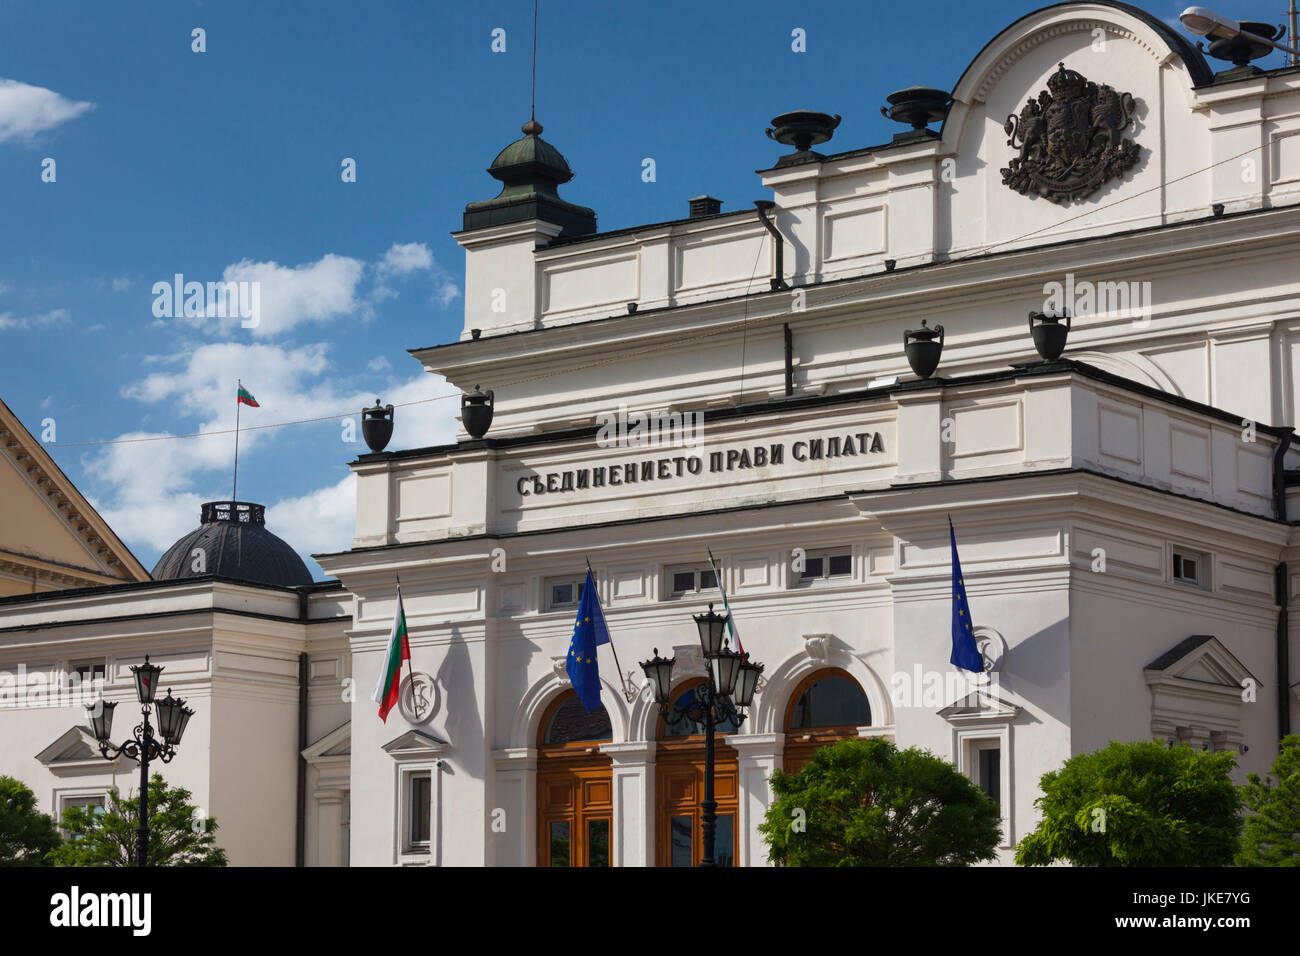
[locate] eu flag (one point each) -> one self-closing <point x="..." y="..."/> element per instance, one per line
<point x="589" y="632"/>
<point x="964" y="652"/>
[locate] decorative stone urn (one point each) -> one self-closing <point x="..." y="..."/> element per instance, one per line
<point x="1049" y="334"/>
<point x="476" y="409"/>
<point x="923" y="347"/>
<point x="917" y="106"/>
<point x="377" y="426"/>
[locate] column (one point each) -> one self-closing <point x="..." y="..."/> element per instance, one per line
<point x="632" y="840"/>
<point x="759" y="756"/>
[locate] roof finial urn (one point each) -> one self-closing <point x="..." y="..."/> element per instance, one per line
<point x="803" y="129"/>
<point x="377" y="426"/>
<point x="922" y="349"/>
<point x="1049" y="334"/>
<point x="918" y="107"/>
<point x="476" y="410"/>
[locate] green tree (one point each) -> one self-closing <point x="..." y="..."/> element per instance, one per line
<point x="867" y="803"/>
<point x="26" y="834"/>
<point x="178" y="835"/>
<point x="1137" y="804"/>
<point x="1272" y="834"/>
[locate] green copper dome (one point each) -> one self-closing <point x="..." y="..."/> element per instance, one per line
<point x="530" y="170"/>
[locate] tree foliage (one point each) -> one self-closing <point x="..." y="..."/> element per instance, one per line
<point x="867" y="803"/>
<point x="1137" y="804"/>
<point x="178" y="834"/>
<point x="1272" y="833"/>
<point x="26" y="834"/>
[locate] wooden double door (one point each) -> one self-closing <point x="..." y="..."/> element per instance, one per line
<point x="575" y="811"/>
<point x="679" y="788"/>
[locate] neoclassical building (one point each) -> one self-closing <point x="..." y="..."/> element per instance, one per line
<point x="1122" y="512"/>
<point x="752" y="384"/>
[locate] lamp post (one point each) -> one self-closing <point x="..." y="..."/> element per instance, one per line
<point x="1218" y="27"/>
<point x="143" y="746"/>
<point x="728" y="690"/>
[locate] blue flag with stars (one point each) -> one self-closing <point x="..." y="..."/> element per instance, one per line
<point x="964" y="652"/>
<point x="589" y="632"/>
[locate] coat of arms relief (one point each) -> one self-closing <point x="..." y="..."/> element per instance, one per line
<point x="1070" y="139"/>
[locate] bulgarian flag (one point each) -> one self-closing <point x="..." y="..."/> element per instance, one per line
<point x="731" y="618"/>
<point x="390" y="673"/>
<point x="245" y="397"/>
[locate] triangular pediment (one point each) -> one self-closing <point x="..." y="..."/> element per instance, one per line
<point x="337" y="743"/>
<point x="49" y="533"/>
<point x="979" y="706"/>
<point x="414" y="744"/>
<point x="1201" y="659"/>
<point x="75" y="751"/>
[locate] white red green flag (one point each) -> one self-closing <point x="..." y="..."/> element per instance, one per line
<point x="731" y="618"/>
<point x="390" y="672"/>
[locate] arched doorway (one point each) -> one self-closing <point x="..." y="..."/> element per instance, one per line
<point x="679" y="788"/>
<point x="575" y="797"/>
<point x="827" y="706"/>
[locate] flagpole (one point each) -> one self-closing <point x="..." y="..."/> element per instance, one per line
<point x="410" y="664"/>
<point x="234" y="491"/>
<point x="621" y="679"/>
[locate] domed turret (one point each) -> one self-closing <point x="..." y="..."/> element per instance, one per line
<point x="235" y="544"/>
<point x="531" y="170"/>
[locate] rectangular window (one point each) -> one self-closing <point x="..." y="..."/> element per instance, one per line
<point x="724" y="841"/>
<point x="421" y="804"/>
<point x="1190" y="567"/>
<point x="990" y="772"/>
<point x="681" y="846"/>
<point x="598" y="843"/>
<point x="690" y="580"/>
<point x="88" y="671"/>
<point x="96" y="803"/>
<point x="559" y="843"/>
<point x="825" y="565"/>
<point x="564" y="593"/>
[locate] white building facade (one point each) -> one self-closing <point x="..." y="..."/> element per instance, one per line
<point x="1123" y="514"/>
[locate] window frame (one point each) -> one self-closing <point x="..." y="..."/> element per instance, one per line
<point x="698" y="570"/>
<point x="969" y="742"/>
<point x="799" y="579"/>
<point x="548" y="586"/>
<point x="1177" y="554"/>
<point x="410" y="848"/>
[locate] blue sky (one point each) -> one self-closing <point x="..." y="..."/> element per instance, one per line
<point x="226" y="164"/>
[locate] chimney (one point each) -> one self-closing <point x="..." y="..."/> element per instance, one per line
<point x="705" y="206"/>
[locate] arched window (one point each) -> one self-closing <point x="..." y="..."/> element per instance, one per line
<point x="570" y="723"/>
<point x="685" y="727"/>
<point x="827" y="706"/>
<point x="830" y="699"/>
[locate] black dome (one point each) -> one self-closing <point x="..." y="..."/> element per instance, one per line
<point x="236" y="544"/>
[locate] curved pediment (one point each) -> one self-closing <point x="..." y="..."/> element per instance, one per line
<point x="1077" y="119"/>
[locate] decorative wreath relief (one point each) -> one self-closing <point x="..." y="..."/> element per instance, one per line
<point x="1070" y="139"/>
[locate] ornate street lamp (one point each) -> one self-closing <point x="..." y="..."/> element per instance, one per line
<point x="173" y="716"/>
<point x="732" y="680"/>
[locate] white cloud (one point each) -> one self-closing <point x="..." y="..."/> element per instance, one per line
<point x="121" y="284"/>
<point x="53" y="317"/>
<point x="378" y="364"/>
<point x="27" y="110"/>
<point x="404" y="258"/>
<point x="321" y="521"/>
<point x="287" y="296"/>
